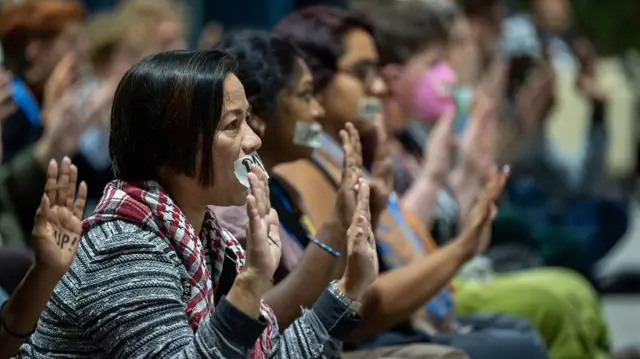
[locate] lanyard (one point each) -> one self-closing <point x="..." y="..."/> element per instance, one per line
<point x="23" y="97"/>
<point x="441" y="305"/>
<point x="303" y="219"/>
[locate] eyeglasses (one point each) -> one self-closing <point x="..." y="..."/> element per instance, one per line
<point x="366" y="72"/>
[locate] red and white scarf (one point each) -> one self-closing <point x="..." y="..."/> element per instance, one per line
<point x="148" y="205"/>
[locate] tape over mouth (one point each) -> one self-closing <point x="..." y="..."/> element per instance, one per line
<point x="242" y="167"/>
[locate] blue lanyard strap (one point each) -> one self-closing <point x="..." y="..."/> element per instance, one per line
<point x="23" y="97"/>
<point x="440" y="306"/>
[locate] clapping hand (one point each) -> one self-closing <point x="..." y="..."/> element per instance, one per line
<point x="472" y="237"/>
<point x="58" y="223"/>
<point x="362" y="258"/>
<point x="351" y="172"/>
<point x="587" y="81"/>
<point x="381" y="183"/>
<point x="264" y="248"/>
<point x="65" y="118"/>
<point x="437" y="155"/>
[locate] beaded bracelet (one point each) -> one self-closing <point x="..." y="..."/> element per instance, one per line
<point x="326" y="247"/>
<point x="6" y="328"/>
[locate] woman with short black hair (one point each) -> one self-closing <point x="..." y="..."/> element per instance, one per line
<point x="154" y="264"/>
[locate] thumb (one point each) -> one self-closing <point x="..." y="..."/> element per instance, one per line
<point x="255" y="222"/>
<point x="42" y="213"/>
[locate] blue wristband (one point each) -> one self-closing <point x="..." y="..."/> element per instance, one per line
<point x="326" y="247"/>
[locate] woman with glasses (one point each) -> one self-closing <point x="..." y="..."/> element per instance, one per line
<point x="286" y="114"/>
<point x="411" y="300"/>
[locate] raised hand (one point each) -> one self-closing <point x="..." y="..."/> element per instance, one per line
<point x="535" y="99"/>
<point x="58" y="223"/>
<point x="437" y="156"/>
<point x="587" y="81"/>
<point x="264" y="248"/>
<point x="351" y="174"/>
<point x="472" y="237"/>
<point x="381" y="183"/>
<point x="68" y="118"/>
<point x="362" y="258"/>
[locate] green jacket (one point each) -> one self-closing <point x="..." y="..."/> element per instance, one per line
<point x="21" y="187"/>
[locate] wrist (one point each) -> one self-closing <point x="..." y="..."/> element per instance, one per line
<point x="463" y="248"/>
<point x="253" y="283"/>
<point x="349" y="289"/>
<point x="245" y="294"/>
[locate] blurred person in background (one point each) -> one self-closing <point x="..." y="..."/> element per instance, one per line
<point x="414" y="71"/>
<point x="285" y="113"/>
<point x="35" y="36"/>
<point x="41" y="49"/>
<point x="166" y="21"/>
<point x="563" y="205"/>
<point x="117" y="41"/>
<point x="412" y="300"/>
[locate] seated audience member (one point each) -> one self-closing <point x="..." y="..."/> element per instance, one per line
<point x="39" y="40"/>
<point x="580" y="329"/>
<point x="117" y="42"/>
<point x="56" y="236"/>
<point x="155" y="273"/>
<point x="341" y="53"/>
<point x="165" y="23"/>
<point x="35" y="36"/>
<point x="285" y="114"/>
<point x="552" y="192"/>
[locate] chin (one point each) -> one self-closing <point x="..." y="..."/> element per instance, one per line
<point x="364" y="127"/>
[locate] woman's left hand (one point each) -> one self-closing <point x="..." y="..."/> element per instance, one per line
<point x="58" y="223"/>
<point x="264" y="248"/>
<point x="381" y="182"/>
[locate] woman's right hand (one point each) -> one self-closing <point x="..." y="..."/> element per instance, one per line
<point x="471" y="239"/>
<point x="264" y="248"/>
<point x="362" y="258"/>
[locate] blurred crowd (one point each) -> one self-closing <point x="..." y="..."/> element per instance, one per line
<point x="401" y="184"/>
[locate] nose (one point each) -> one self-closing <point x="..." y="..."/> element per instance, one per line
<point x="251" y="142"/>
<point x="378" y="87"/>
<point x="317" y="111"/>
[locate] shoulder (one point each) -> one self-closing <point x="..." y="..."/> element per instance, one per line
<point x="233" y="219"/>
<point x="110" y="249"/>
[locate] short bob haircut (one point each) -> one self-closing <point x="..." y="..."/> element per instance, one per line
<point x="267" y="65"/>
<point x="166" y="112"/>
<point x="318" y="31"/>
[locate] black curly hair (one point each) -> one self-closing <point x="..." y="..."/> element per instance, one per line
<point x="267" y="64"/>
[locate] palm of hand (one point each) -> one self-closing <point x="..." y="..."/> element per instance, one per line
<point x="56" y="242"/>
<point x="264" y="248"/>
<point x="58" y="224"/>
<point x="265" y="252"/>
